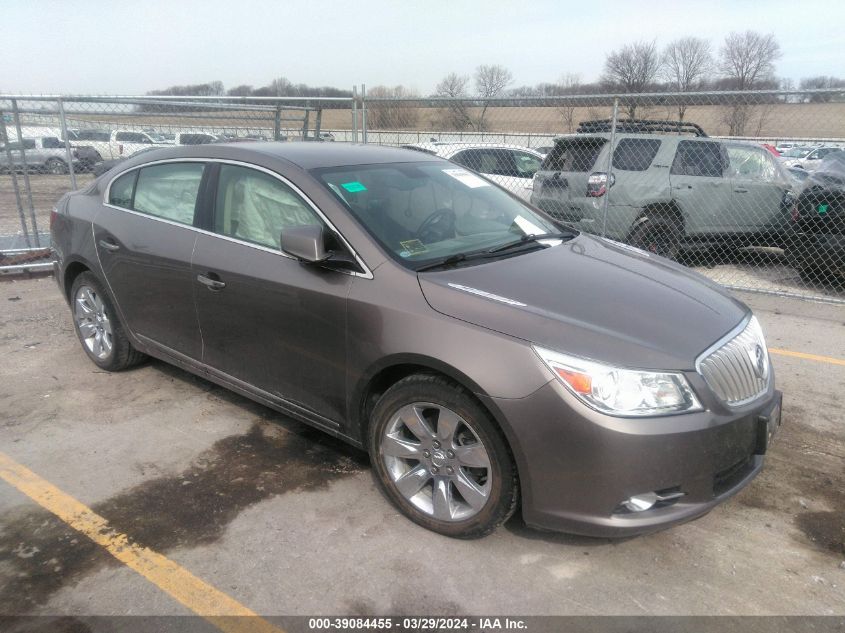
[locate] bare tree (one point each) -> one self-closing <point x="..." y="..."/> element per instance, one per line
<point x="569" y="84"/>
<point x="821" y="82"/>
<point x="243" y="90"/>
<point x="455" y="116"/>
<point x="632" y="68"/>
<point x="490" y="82"/>
<point x="685" y="64"/>
<point x="747" y="60"/>
<point x="393" y="113"/>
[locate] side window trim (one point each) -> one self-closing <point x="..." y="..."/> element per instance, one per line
<point x="367" y="274"/>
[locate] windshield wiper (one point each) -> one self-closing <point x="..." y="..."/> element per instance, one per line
<point x="531" y="238"/>
<point x="445" y="262"/>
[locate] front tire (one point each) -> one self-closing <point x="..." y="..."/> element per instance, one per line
<point x="440" y="459"/>
<point x="101" y="333"/>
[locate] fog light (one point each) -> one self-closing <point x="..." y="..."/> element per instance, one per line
<point x="649" y="500"/>
<point x="641" y="503"/>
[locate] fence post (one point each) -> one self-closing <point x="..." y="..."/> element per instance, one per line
<point x="364" y="114"/>
<point x="354" y="114"/>
<point x="277" y="124"/>
<point x="317" y="122"/>
<point x="10" y="161"/>
<point x="305" y="120"/>
<point x="609" y="167"/>
<point x="67" y="144"/>
<point x="26" y="183"/>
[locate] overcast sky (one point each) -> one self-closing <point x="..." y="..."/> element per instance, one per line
<point x="130" y="47"/>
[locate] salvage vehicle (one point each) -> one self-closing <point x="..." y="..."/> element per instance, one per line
<point x="666" y="188"/>
<point x="45" y="154"/>
<point x="817" y="248"/>
<point x="485" y="356"/>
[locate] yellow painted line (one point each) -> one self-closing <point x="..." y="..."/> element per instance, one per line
<point x="821" y="359"/>
<point x="222" y="611"/>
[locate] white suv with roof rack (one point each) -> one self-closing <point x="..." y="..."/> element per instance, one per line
<point x="669" y="187"/>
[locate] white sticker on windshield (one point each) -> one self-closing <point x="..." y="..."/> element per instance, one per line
<point x="527" y="226"/>
<point x="470" y="180"/>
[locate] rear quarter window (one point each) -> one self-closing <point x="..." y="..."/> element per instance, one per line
<point x="120" y="193"/>
<point x="635" y="154"/>
<point x="574" y="155"/>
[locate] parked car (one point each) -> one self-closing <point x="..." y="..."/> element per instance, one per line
<point x="44" y="153"/>
<point x="194" y="138"/>
<point x="671" y="187"/>
<point x="480" y="352"/>
<point x="817" y="249"/>
<point x="798" y="175"/>
<point x="812" y="159"/>
<point x="794" y="153"/>
<point x="105" y="165"/>
<point x="117" y="143"/>
<point x="544" y="149"/>
<point x="510" y="166"/>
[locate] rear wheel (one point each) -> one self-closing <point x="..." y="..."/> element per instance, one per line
<point x="440" y="459"/>
<point x="659" y="236"/>
<point x="56" y="166"/>
<point x="99" y="330"/>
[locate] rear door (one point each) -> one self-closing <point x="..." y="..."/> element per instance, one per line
<point x="267" y="320"/>
<point x="701" y="186"/>
<point x="560" y="187"/>
<point x="145" y="237"/>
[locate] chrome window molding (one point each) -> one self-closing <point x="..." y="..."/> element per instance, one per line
<point x="367" y="274"/>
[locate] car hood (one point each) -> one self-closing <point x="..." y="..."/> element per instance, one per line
<point x="593" y="298"/>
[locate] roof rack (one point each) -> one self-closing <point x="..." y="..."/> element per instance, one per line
<point x="647" y="126"/>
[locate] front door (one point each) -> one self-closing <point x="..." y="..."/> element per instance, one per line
<point x="268" y="320"/>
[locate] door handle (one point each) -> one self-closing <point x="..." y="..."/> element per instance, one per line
<point x="109" y="246"/>
<point x="740" y="190"/>
<point x="212" y="284"/>
<point x="682" y="187"/>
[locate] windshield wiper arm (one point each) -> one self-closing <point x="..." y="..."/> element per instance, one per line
<point x="530" y="237"/>
<point x="446" y="261"/>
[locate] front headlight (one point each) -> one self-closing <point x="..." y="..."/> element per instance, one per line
<point x="619" y="391"/>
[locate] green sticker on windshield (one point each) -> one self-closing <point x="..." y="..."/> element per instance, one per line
<point x="353" y="187"/>
<point x="822" y="208"/>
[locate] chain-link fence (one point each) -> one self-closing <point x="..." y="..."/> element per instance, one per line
<point x="745" y="187"/>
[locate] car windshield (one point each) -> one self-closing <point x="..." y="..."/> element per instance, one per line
<point x="797" y="152"/>
<point x="422" y="212"/>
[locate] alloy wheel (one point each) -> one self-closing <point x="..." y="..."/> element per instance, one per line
<point x="436" y="461"/>
<point x="93" y="323"/>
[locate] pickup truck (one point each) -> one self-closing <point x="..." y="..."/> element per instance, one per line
<point x="43" y="153"/>
<point x="114" y="144"/>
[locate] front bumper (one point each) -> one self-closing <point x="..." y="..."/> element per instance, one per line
<point x="577" y="466"/>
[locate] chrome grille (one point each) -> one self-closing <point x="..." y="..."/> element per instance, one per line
<point x="737" y="370"/>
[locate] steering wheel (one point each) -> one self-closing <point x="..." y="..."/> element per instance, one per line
<point x="436" y="227"/>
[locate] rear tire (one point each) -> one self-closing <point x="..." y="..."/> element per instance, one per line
<point x="440" y="459"/>
<point x="98" y="327"/>
<point x="661" y="236"/>
<point x="56" y="166"/>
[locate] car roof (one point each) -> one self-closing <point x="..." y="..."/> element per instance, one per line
<point x="304" y="154"/>
<point x="444" y="148"/>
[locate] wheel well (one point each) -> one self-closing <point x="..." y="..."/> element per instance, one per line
<point x="73" y="270"/>
<point x="667" y="211"/>
<point x="389" y="376"/>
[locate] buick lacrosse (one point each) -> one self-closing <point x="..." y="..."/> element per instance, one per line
<point x="486" y="356"/>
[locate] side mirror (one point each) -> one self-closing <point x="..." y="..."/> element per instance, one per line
<point x="305" y="243"/>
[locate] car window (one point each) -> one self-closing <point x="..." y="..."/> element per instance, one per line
<point x="699" y="158"/>
<point x="574" y="155"/>
<point x="169" y="191"/>
<point x="120" y="192"/>
<point x="132" y="137"/>
<point x="526" y="164"/>
<point x="635" y="154"/>
<point x="256" y="207"/>
<point x="51" y="142"/>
